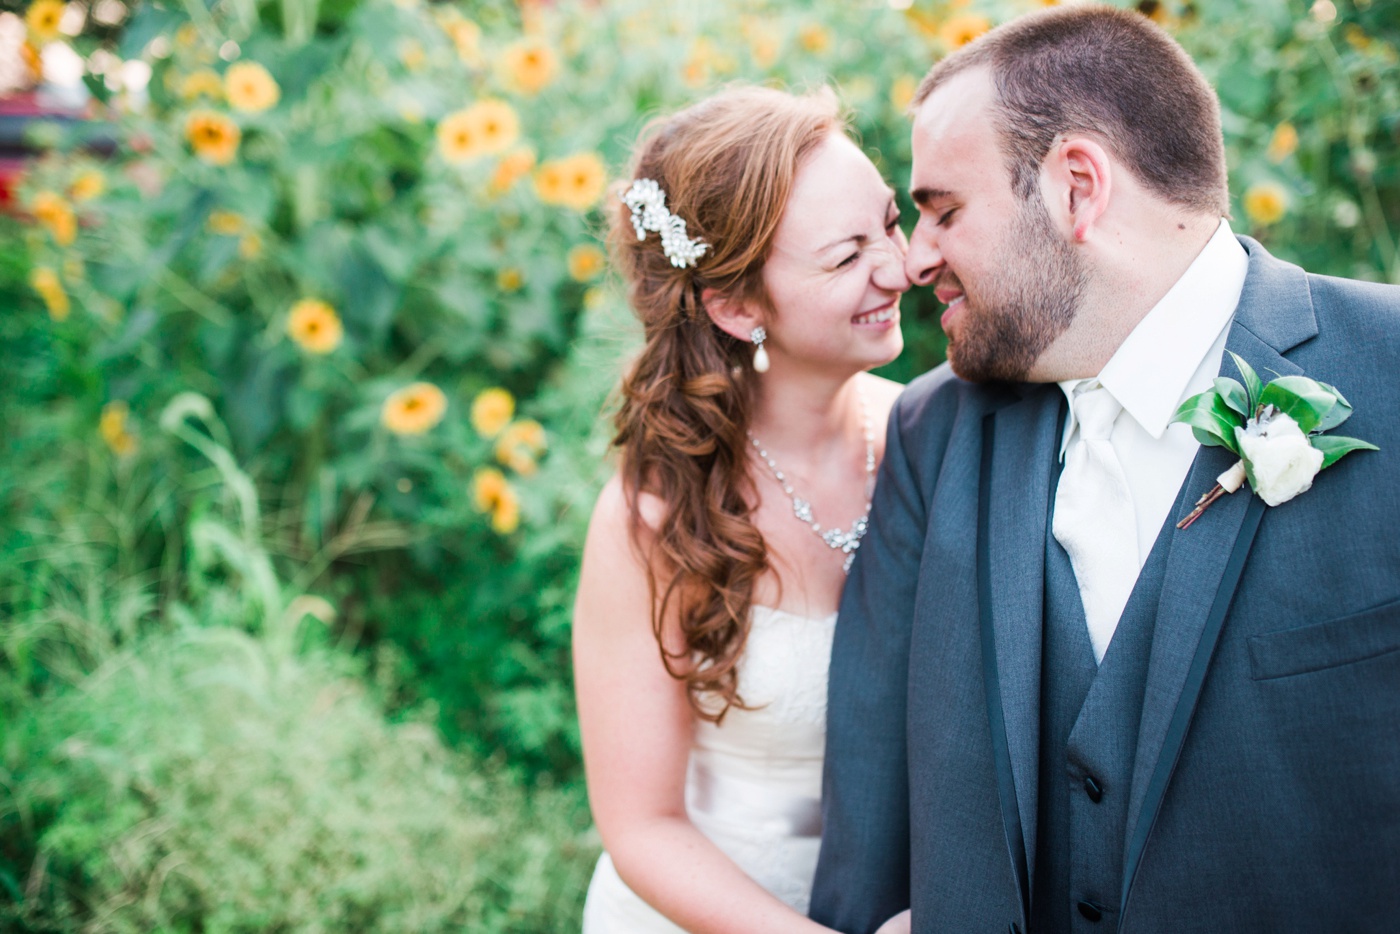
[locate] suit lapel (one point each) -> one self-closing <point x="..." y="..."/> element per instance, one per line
<point x="1206" y="561"/>
<point x="1020" y="446"/>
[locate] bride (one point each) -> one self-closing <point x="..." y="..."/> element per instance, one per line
<point x="763" y="255"/>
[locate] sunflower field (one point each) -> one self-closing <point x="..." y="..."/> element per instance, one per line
<point x="308" y="343"/>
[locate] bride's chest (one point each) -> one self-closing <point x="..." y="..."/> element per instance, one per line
<point x="783" y="671"/>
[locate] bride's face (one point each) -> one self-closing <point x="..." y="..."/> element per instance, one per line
<point x="836" y="271"/>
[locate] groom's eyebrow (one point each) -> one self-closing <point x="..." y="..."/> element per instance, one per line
<point x="922" y="196"/>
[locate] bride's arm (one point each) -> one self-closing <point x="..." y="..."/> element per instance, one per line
<point x="637" y="732"/>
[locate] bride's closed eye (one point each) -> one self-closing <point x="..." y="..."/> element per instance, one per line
<point x="891" y="226"/>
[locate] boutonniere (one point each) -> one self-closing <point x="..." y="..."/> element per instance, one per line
<point x="1275" y="428"/>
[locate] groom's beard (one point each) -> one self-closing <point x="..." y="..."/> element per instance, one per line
<point x="1018" y="311"/>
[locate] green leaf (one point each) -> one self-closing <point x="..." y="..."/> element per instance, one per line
<point x="1253" y="385"/>
<point x="1212" y="421"/>
<point x="1335" y="447"/>
<point x="1233" y="394"/>
<point x="1339" y="413"/>
<point x="1304" y="400"/>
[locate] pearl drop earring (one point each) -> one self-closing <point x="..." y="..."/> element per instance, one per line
<point x="760" y="356"/>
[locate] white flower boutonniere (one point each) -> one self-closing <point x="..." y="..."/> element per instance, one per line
<point x="1276" y="428"/>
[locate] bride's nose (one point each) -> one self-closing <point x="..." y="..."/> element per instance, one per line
<point x="890" y="274"/>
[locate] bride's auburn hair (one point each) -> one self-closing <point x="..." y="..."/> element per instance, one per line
<point x="727" y="166"/>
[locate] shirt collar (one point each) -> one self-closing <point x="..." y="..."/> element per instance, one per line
<point x="1152" y="369"/>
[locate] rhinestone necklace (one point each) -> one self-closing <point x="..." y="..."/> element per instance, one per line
<point x="845" y="541"/>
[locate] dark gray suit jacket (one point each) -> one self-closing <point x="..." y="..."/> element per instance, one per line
<point x="1266" y="785"/>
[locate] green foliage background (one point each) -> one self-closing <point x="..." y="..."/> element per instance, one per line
<point x="274" y="669"/>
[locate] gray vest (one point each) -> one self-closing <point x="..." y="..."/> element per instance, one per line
<point x="1088" y="739"/>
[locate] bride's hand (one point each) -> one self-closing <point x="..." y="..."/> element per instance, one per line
<point x="899" y="924"/>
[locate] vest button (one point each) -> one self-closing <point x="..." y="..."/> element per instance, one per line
<point x="1093" y="789"/>
<point x="1013" y="928"/>
<point x="1090" y="911"/>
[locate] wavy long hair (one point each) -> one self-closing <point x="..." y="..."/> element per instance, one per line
<point x="727" y="166"/>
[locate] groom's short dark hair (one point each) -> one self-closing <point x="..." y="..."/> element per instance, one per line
<point x="1110" y="73"/>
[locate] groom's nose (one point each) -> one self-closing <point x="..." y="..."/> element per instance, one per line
<point x="924" y="259"/>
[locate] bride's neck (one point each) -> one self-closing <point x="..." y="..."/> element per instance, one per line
<point x="806" y="414"/>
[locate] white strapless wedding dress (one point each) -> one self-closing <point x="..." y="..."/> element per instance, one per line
<point x="754" y="782"/>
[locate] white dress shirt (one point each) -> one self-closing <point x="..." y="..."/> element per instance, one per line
<point x="1174" y="353"/>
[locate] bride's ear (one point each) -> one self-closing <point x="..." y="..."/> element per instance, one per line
<point x="735" y="318"/>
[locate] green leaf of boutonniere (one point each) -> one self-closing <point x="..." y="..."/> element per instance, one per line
<point x="1253" y="385"/>
<point x="1233" y="395"/>
<point x="1304" y="400"/>
<point x="1335" y="447"/>
<point x="1339" y="413"/>
<point x="1212" y="420"/>
<point x="1274" y="428"/>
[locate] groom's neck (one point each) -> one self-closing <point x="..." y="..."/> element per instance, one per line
<point x="1129" y="269"/>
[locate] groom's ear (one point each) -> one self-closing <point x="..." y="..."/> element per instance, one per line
<point x="1080" y="174"/>
<point x="735" y="318"/>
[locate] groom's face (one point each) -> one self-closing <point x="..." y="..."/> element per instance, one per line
<point x="1011" y="281"/>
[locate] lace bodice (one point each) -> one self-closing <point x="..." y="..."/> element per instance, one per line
<point x="782" y="677"/>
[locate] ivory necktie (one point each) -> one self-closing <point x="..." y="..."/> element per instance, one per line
<point x="1094" y="517"/>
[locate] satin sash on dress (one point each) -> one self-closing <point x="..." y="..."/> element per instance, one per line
<point x="732" y="799"/>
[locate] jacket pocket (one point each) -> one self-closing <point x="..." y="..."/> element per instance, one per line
<point x="1320" y="646"/>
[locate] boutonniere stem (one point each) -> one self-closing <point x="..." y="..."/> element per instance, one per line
<point x="1276" y="429"/>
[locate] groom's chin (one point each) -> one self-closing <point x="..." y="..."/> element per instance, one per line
<point x="980" y="368"/>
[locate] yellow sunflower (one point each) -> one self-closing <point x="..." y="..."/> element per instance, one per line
<point x="46" y="282"/>
<point x="466" y="37"/>
<point x="958" y="31"/>
<point x="112" y="426"/>
<point x="765" y="47"/>
<point x="492" y="410"/>
<point x="224" y="223"/>
<point x="414" y="409"/>
<point x="520" y="446"/>
<point x="315" y="326"/>
<point x="459" y="138"/>
<point x="42" y="19"/>
<point x="493" y="494"/>
<point x="510" y="279"/>
<point x="412" y="55"/>
<point x="56" y="214"/>
<point x="88" y="185"/>
<point x="902" y="92"/>
<point x="815" y="38"/>
<point x="213" y="136"/>
<point x="586" y="261"/>
<point x="250" y="246"/>
<point x="250" y="88"/>
<point x="696" y="69"/>
<point x="1266" y="203"/>
<point x="1283" y="142"/>
<point x="529" y="66"/>
<point x="513" y="166"/>
<point x="202" y="83"/>
<point x="1356" y="37"/>
<point x="496" y="124"/>
<point x="575" y="181"/>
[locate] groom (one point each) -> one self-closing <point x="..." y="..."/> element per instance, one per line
<point x="1051" y="709"/>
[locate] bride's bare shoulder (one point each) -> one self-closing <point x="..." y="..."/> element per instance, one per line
<point x="612" y="513"/>
<point x="614" y="595"/>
